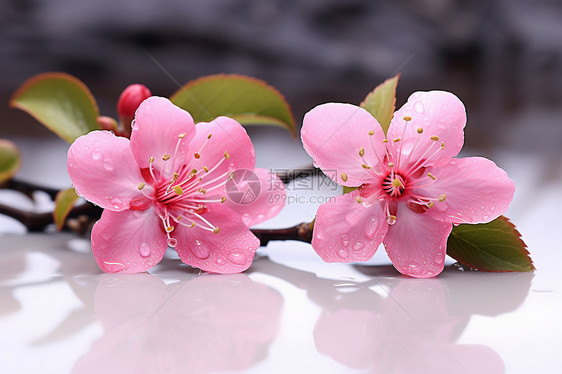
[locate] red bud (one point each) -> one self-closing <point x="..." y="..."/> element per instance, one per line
<point x="128" y="103"/>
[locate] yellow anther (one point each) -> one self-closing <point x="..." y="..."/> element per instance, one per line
<point x="179" y="218"/>
<point x="431" y="176"/>
<point x="391" y="164"/>
<point x="194" y="171"/>
<point x="197" y="155"/>
<point x="442" y="145"/>
<point x="231" y="175"/>
<point x="178" y="190"/>
<point x="385" y="141"/>
<point x="358" y="199"/>
<point x="223" y="199"/>
<point x="365" y="166"/>
<point x="141" y="185"/>
<point x="431" y="204"/>
<point x="361" y="152"/>
<point x="396" y="140"/>
<point x="419" y="130"/>
<point x="226" y="155"/>
<point x="216" y="230"/>
<point x="166" y="157"/>
<point x="372" y="132"/>
<point x="442" y="197"/>
<point x="169" y="228"/>
<point x="175" y="176"/>
<point x="396" y="182"/>
<point x="343" y="177"/>
<point x="435" y="138"/>
<point x="209" y="136"/>
<point x="203" y="191"/>
<point x="151" y="159"/>
<point x="181" y="136"/>
<point x="206" y="169"/>
<point x="407" y="118"/>
<point x="192" y="225"/>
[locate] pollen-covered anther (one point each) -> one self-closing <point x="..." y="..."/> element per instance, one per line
<point x="372" y="132"/>
<point x="209" y="136"/>
<point x="365" y="166"/>
<point x="203" y="191"/>
<point x="435" y="138"/>
<point x="141" y="185"/>
<point x="223" y="199"/>
<point x="397" y="183"/>
<point x="226" y="155"/>
<point x="442" y="145"/>
<point x="385" y="141"/>
<point x="361" y="152"/>
<point x="169" y="228"/>
<point x="391" y="164"/>
<point x="431" y="204"/>
<point x="343" y="177"/>
<point x="197" y="155"/>
<point x="358" y="199"/>
<point x="396" y="140"/>
<point x="216" y="230"/>
<point x="151" y="160"/>
<point x="166" y="157"/>
<point x="178" y="190"/>
<point x="181" y="136"/>
<point x="407" y="118"/>
<point x="442" y="197"/>
<point x="419" y="130"/>
<point x="192" y="225"/>
<point x="206" y="169"/>
<point x="431" y="176"/>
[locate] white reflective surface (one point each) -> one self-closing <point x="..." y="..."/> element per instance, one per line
<point x="290" y="312"/>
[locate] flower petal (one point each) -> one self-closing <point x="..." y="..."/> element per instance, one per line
<point x="230" y="251"/>
<point x="128" y="241"/>
<point x="416" y="243"/>
<point x="157" y="127"/>
<point x="228" y="145"/>
<point x="333" y="134"/>
<point x="346" y="231"/>
<point x="438" y="113"/>
<point x="476" y="189"/>
<point x="256" y="197"/>
<point x="103" y="170"/>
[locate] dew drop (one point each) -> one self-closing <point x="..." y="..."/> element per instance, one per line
<point x="172" y="242"/>
<point x="197" y="242"/>
<point x="371" y="227"/>
<point x="113" y="267"/>
<point x="358" y="246"/>
<point x="342" y="253"/>
<point x="237" y="257"/>
<point x="144" y="250"/>
<point x="345" y="240"/>
<point x="418" y="107"/>
<point x="117" y="203"/>
<point x="96" y="154"/>
<point x="220" y="262"/>
<point x="439" y="260"/>
<point x="108" y="164"/>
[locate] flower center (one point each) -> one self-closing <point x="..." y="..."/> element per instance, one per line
<point x="394" y="185"/>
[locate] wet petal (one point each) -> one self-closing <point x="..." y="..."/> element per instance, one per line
<point x="438" y="113"/>
<point x="103" y="170"/>
<point x="346" y="231"/>
<point x="333" y="135"/>
<point x="416" y="243"/>
<point x="230" y="251"/>
<point x="128" y="241"/>
<point x="157" y="128"/>
<point x="476" y="190"/>
<point x="257" y="197"/>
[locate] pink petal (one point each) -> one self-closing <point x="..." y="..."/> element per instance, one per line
<point x="270" y="199"/>
<point x="438" y="113"/>
<point x="228" y="139"/>
<point x="333" y="134"/>
<point x="103" y="170"/>
<point x="128" y="241"/>
<point x="346" y="231"/>
<point x="476" y="191"/>
<point x="230" y="251"/>
<point x="157" y="127"/>
<point x="416" y="243"/>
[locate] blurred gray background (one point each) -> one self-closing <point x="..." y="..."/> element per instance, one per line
<point x="502" y="58"/>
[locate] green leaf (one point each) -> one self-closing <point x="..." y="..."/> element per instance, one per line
<point x="381" y="102"/>
<point x="494" y="246"/>
<point x="248" y="100"/>
<point x="60" y="102"/>
<point x="64" y="202"/>
<point x="10" y="160"/>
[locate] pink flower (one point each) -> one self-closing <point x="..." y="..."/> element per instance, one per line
<point x="166" y="187"/>
<point x="410" y="188"/>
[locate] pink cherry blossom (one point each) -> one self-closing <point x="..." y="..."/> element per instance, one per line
<point x="410" y="188"/>
<point x="166" y="187"/>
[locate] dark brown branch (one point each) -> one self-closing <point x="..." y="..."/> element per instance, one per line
<point x="301" y="232"/>
<point x="28" y="188"/>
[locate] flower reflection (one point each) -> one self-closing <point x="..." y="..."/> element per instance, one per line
<point x="414" y="324"/>
<point x="209" y="323"/>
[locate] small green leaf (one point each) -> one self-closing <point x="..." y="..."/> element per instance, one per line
<point x="248" y="100"/>
<point x="494" y="246"/>
<point x="10" y="160"/>
<point x="381" y="101"/>
<point x="64" y="202"/>
<point x="60" y="102"/>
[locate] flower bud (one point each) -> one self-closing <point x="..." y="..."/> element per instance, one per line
<point x="128" y="103"/>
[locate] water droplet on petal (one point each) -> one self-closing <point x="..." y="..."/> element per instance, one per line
<point x="117" y="203"/>
<point x="358" y="246"/>
<point x="342" y="253"/>
<point x="220" y="261"/>
<point x="439" y="260"/>
<point x="237" y="257"/>
<point x="197" y="242"/>
<point x="114" y="267"/>
<point x="144" y="250"/>
<point x="418" y="107"/>
<point x="96" y="154"/>
<point x="172" y="242"/>
<point x="371" y="227"/>
<point x="108" y="164"/>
